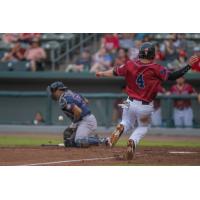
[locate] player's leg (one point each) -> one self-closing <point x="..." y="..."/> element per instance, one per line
<point x="143" y="114"/>
<point x="85" y="127"/>
<point x="178" y="117"/>
<point x="127" y="123"/>
<point x="156" y="118"/>
<point x="188" y="117"/>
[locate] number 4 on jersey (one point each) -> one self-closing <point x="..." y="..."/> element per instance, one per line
<point x="140" y="81"/>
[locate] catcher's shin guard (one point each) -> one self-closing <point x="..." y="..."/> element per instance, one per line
<point x="116" y="134"/>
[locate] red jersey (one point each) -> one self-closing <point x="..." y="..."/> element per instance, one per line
<point x="143" y="80"/>
<point x="182" y="103"/>
<point x="196" y="66"/>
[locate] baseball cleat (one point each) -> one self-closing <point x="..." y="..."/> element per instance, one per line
<point x="105" y="141"/>
<point x="130" y="150"/>
<point x="116" y="135"/>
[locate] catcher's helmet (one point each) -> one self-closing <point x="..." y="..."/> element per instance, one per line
<point x="147" y="51"/>
<point x="58" y="85"/>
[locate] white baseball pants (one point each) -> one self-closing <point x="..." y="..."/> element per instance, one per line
<point x="156" y="118"/>
<point x="136" y="111"/>
<point x="183" y="117"/>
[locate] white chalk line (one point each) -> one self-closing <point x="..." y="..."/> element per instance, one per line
<point x="182" y="152"/>
<point x="69" y="161"/>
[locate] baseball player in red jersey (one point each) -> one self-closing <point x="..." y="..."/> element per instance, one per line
<point x="143" y="78"/>
<point x="183" y="114"/>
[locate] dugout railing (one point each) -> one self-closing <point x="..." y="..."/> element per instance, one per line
<point x="20" y="108"/>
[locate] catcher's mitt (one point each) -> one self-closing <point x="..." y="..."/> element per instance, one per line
<point x="68" y="136"/>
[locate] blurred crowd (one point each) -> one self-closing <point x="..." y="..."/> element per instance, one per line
<point x="116" y="49"/>
<point x="24" y="47"/>
<point x="172" y="50"/>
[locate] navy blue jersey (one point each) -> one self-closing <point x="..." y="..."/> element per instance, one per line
<point x="68" y="100"/>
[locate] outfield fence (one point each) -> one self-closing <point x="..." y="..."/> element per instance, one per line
<point x="20" y="108"/>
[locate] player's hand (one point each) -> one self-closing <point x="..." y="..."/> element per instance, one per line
<point x="193" y="60"/>
<point x="99" y="74"/>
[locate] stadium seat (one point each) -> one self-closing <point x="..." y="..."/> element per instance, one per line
<point x="48" y="37"/>
<point x="21" y="66"/>
<point x="51" y="45"/>
<point x="65" y="36"/>
<point x="4" y="46"/>
<point x="5" y="66"/>
<point x="14" y="66"/>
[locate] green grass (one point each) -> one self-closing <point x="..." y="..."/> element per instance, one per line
<point x="162" y="143"/>
<point x="14" y="140"/>
<point x="9" y="141"/>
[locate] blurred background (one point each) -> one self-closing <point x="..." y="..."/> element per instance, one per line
<point x="31" y="61"/>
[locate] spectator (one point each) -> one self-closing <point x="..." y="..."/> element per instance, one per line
<point x="110" y="42"/>
<point x="179" y="62"/>
<point x="121" y="58"/>
<point x="147" y="38"/>
<point x="183" y="114"/>
<point x="133" y="52"/>
<point x="126" y="41"/>
<point x="159" y="54"/>
<point x="36" y="55"/>
<point x="102" y="61"/>
<point x="38" y="119"/>
<point x="82" y="64"/>
<point x="170" y="50"/>
<point x="157" y="113"/>
<point x="15" y="54"/>
<point x="29" y="37"/>
<point x="196" y="66"/>
<point x="180" y="41"/>
<point x="10" y="37"/>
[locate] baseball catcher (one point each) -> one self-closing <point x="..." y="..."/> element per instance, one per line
<point x="75" y="106"/>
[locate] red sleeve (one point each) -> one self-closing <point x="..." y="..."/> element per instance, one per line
<point x="191" y="89"/>
<point x="121" y="70"/>
<point x="162" y="73"/>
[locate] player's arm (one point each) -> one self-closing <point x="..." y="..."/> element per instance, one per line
<point x="115" y="71"/>
<point x="77" y="112"/>
<point x="184" y="70"/>
<point x="108" y="73"/>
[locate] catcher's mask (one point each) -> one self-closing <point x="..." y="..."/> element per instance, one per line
<point x="58" y="85"/>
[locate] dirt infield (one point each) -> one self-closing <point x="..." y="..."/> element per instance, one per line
<point x="52" y="156"/>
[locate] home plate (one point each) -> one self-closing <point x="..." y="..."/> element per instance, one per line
<point x="182" y="152"/>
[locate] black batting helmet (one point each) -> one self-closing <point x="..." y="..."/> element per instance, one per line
<point x="147" y="51"/>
